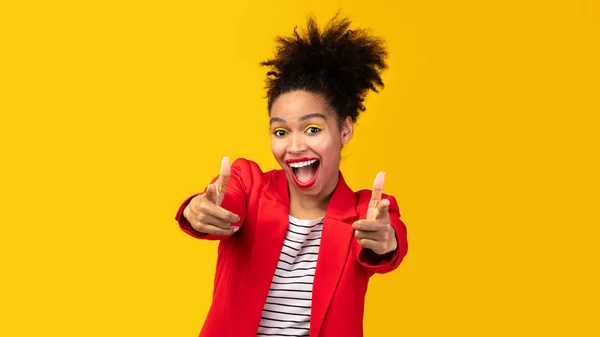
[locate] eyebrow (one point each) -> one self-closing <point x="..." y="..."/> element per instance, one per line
<point x="303" y="118"/>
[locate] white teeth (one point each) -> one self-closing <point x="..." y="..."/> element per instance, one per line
<point x="302" y="163"/>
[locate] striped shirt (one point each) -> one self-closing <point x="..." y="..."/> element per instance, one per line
<point x="288" y="306"/>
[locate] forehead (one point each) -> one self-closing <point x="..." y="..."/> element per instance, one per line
<point x="292" y="106"/>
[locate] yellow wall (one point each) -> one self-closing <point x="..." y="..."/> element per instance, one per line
<point x="113" y="112"/>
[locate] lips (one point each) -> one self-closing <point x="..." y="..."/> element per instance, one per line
<point x="304" y="171"/>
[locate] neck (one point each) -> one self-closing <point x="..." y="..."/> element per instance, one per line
<point x="304" y="206"/>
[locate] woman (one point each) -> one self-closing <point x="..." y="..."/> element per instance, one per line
<point x="297" y="245"/>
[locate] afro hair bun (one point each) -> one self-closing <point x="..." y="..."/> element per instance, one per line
<point x="340" y="64"/>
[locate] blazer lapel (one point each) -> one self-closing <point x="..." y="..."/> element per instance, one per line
<point x="335" y="246"/>
<point x="273" y="210"/>
<point x="336" y="241"/>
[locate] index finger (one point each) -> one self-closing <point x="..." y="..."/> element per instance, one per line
<point x="377" y="189"/>
<point x="224" y="175"/>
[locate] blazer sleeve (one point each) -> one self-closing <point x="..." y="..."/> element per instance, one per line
<point x="235" y="200"/>
<point x="382" y="264"/>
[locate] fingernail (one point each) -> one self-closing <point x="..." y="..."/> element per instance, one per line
<point x="235" y="229"/>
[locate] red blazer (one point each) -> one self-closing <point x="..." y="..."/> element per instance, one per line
<point x="247" y="259"/>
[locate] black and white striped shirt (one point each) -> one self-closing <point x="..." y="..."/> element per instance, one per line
<point x="288" y="306"/>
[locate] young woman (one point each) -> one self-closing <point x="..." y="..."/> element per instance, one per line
<point x="297" y="245"/>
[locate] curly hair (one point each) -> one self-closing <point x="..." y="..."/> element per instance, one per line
<point x="340" y="64"/>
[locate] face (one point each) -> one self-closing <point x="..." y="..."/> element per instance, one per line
<point x="306" y="140"/>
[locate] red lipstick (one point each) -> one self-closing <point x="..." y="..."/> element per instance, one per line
<point x="297" y="160"/>
<point x="309" y="183"/>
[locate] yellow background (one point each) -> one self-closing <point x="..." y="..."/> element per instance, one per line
<point x="113" y="112"/>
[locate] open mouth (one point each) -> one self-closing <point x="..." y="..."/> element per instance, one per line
<point x="305" y="171"/>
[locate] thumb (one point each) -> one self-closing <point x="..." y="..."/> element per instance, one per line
<point x="224" y="175"/>
<point x="377" y="190"/>
<point x="376" y="193"/>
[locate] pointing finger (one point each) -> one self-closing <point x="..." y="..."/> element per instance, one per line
<point x="211" y="193"/>
<point x="382" y="209"/>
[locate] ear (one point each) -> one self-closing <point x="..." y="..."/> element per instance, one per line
<point x="346" y="130"/>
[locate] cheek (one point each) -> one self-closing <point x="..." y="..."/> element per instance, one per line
<point x="278" y="149"/>
<point x="329" y="150"/>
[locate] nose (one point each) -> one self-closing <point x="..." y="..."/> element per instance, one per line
<point x="297" y="144"/>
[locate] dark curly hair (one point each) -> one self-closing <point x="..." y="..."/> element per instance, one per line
<point x="340" y="64"/>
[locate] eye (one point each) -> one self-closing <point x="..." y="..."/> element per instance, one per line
<point x="279" y="132"/>
<point x="312" y="129"/>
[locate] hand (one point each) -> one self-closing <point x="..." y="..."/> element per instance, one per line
<point x="376" y="232"/>
<point x="204" y="212"/>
